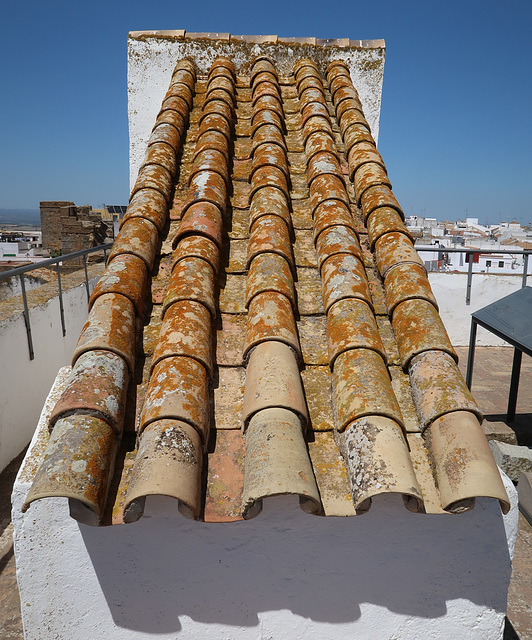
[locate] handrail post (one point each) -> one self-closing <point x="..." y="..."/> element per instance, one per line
<point x="61" y="308"/>
<point x="86" y="277"/>
<point x="469" y="278"/>
<point x="525" y="270"/>
<point x="27" y="317"/>
<point x="471" y="354"/>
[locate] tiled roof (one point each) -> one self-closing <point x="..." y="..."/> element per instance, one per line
<point x="291" y="343"/>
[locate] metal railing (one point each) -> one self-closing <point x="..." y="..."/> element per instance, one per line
<point x="469" y="251"/>
<point x="20" y="271"/>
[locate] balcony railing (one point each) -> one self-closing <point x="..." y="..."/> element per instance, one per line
<point x="20" y="271"/>
<point x="58" y="262"/>
<point x="469" y="251"/>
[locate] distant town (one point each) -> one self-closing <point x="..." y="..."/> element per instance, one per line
<point x="429" y="233"/>
<point x="65" y="227"/>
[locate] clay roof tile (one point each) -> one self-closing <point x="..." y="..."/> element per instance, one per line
<point x="294" y="318"/>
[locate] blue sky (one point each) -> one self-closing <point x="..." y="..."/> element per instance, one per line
<point x="456" y="123"/>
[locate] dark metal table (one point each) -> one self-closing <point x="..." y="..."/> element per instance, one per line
<point x="510" y="319"/>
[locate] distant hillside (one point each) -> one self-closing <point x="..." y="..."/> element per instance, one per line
<point x="20" y="216"/>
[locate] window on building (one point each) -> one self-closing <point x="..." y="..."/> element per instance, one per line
<point x="501" y="263"/>
<point x="488" y="263"/>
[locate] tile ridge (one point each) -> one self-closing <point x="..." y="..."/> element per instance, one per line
<point x="82" y="415"/>
<point x="177" y="397"/>
<point x="367" y="416"/>
<point x="424" y="347"/>
<point x="274" y="412"/>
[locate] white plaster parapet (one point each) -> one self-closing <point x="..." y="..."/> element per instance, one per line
<point x="284" y="574"/>
<point x="24" y="382"/>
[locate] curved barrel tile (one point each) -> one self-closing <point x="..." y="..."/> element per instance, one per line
<point x="127" y="275"/>
<point x="277" y="462"/>
<point x="418" y="328"/>
<point x="269" y="155"/>
<point x="351" y="325"/>
<point x="273" y="381"/>
<point x="382" y="221"/>
<point x="210" y="160"/>
<point x="153" y="176"/>
<point x="322" y="163"/>
<point x="356" y="134"/>
<point x="269" y="234"/>
<point x="270" y="272"/>
<point x="407" y="282"/>
<point x="162" y="154"/>
<point x="463" y="463"/>
<point x="206" y="186"/>
<point x="269" y="201"/>
<point x="337" y="240"/>
<point x="331" y="213"/>
<point x="361" y="154"/>
<point x="367" y="176"/>
<point x="317" y="124"/>
<point x="268" y="176"/>
<point x="77" y="465"/>
<point x="215" y="122"/>
<point x="267" y="116"/>
<point x="343" y="276"/>
<point x="378" y="462"/>
<point x="270" y="317"/>
<point x="197" y="246"/>
<point x="201" y="218"/>
<point x="212" y="140"/>
<point x="167" y="132"/>
<point x="220" y="107"/>
<point x="192" y="279"/>
<point x="379" y="196"/>
<point x="139" y="237"/>
<point x="178" y="390"/>
<point x="318" y="142"/>
<point x="147" y="204"/>
<point x="97" y="386"/>
<point x="327" y="187"/>
<point x="109" y="327"/>
<point x="393" y="249"/>
<point x="186" y="331"/>
<point x="362" y="387"/>
<point x="438" y="387"/>
<point x="168" y="463"/>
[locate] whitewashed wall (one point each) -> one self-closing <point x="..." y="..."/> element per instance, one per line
<point x="151" y="61"/>
<point x="25" y="383"/>
<point x="283" y="575"/>
<point x="450" y="292"/>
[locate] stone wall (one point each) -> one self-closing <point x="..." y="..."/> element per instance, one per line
<point x="67" y="228"/>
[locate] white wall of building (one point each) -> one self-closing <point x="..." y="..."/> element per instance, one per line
<point x="151" y="62"/>
<point x="284" y="575"/>
<point x="25" y="383"/>
<point x="8" y="249"/>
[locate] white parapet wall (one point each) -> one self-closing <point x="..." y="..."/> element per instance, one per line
<point x="283" y="575"/>
<point x="25" y="383"/>
<point x="450" y="292"/>
<point x="152" y="57"/>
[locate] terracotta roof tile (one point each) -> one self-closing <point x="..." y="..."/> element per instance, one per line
<point x="291" y="349"/>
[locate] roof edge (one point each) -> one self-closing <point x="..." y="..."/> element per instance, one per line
<point x="182" y="34"/>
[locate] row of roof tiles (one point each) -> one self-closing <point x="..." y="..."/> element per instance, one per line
<point x="175" y="408"/>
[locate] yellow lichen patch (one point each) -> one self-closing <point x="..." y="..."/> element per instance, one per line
<point x="331" y="475"/>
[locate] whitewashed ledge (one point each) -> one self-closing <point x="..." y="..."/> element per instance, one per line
<point x="285" y="574"/>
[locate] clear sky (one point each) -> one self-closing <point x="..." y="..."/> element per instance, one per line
<point x="456" y="118"/>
